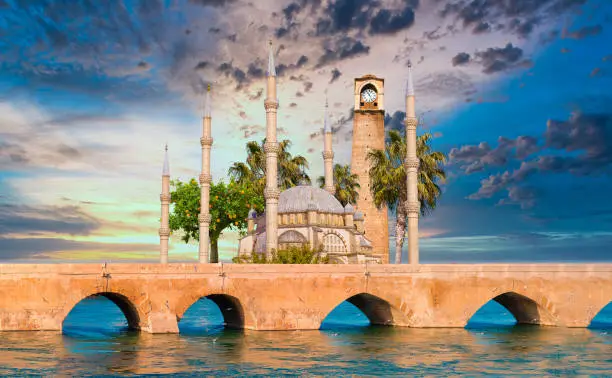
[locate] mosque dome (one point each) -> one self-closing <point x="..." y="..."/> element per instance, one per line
<point x="348" y="209"/>
<point x="252" y="214"/>
<point x="302" y="198"/>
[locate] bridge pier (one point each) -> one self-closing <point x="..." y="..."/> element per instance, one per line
<point x="160" y="322"/>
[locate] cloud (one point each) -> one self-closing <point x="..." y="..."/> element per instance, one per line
<point x="519" y="16"/>
<point x="342" y="48"/>
<point x="213" y="3"/>
<point x="389" y="22"/>
<point x="524" y="196"/>
<point x="586" y="138"/>
<point x="478" y="157"/>
<point x="64" y="220"/>
<point x="461" y="59"/>
<point x="395" y="121"/>
<point x="250" y="130"/>
<point x="496" y="59"/>
<point x="42" y="248"/>
<point x="335" y="75"/>
<point x="584" y="32"/>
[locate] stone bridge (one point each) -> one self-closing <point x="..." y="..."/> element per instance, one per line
<point x="154" y="297"/>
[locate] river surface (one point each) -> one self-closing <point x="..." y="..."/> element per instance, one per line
<point x="96" y="342"/>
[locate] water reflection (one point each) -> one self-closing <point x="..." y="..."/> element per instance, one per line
<point x="100" y="345"/>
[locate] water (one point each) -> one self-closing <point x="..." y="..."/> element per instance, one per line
<point x="96" y="342"/>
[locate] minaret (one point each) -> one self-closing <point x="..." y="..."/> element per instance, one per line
<point x="328" y="153"/>
<point x="412" y="166"/>
<point x="164" y="230"/>
<point x="205" y="179"/>
<point x="271" y="192"/>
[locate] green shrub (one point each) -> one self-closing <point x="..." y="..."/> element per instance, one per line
<point x="291" y="255"/>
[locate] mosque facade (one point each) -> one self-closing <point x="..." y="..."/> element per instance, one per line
<point x="305" y="215"/>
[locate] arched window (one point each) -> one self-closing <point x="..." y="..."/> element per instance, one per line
<point x="333" y="243"/>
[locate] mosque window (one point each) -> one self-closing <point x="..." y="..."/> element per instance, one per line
<point x="332" y="243"/>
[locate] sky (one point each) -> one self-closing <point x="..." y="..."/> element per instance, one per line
<point x="517" y="93"/>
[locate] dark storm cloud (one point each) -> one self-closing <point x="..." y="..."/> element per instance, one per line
<point x="255" y="72"/>
<point x="395" y="121"/>
<point x="343" y="17"/>
<point x="386" y="21"/>
<point x="66" y="220"/>
<point x="340" y="49"/>
<point x="142" y="65"/>
<point x="476" y="157"/>
<point x="496" y="59"/>
<point x="590" y="133"/>
<point x="584" y="32"/>
<point x="229" y="71"/>
<point x="518" y="16"/>
<point x="588" y="137"/>
<point x="335" y="75"/>
<point x="212" y="3"/>
<point x="482" y="27"/>
<point x="461" y="59"/>
<point x="201" y="65"/>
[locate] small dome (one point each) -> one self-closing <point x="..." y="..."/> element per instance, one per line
<point x="348" y="209"/>
<point x="252" y="214"/>
<point x="302" y="198"/>
<point x="358" y="215"/>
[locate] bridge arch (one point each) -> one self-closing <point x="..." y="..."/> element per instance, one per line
<point x="230" y="306"/>
<point x="600" y="315"/>
<point x="524" y="309"/>
<point x="378" y="310"/>
<point x="128" y="308"/>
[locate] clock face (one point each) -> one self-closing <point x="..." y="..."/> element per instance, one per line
<point x="368" y="95"/>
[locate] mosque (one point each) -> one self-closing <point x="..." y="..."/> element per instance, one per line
<point x="308" y="215"/>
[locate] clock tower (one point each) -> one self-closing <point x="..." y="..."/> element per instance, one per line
<point x="368" y="134"/>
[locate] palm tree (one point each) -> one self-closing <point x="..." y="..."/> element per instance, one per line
<point x="388" y="179"/>
<point x="290" y="168"/>
<point x="346" y="184"/>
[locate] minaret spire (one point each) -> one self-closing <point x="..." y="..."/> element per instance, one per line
<point x="271" y="192"/>
<point x="164" y="229"/>
<point x="412" y="167"/>
<point x="206" y="142"/>
<point x="409" y="82"/>
<point x="328" y="153"/>
<point x="207" y="103"/>
<point x="271" y="66"/>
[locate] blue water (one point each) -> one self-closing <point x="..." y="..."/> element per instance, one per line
<point x="96" y="341"/>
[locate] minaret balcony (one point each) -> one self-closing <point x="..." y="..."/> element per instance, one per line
<point x="271" y="147"/>
<point x="205" y="179"/>
<point x="204" y="218"/>
<point x="412" y="163"/>
<point x="270" y="104"/>
<point x="271" y="193"/>
<point x="411" y="123"/>
<point x="328" y="154"/>
<point x="164" y="231"/>
<point x="413" y="207"/>
<point x="206" y="141"/>
<point x="164" y="197"/>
